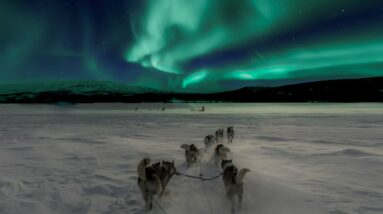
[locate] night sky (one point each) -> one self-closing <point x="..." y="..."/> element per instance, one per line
<point x="190" y="45"/>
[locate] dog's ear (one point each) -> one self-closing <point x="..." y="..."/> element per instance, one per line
<point x="173" y="162"/>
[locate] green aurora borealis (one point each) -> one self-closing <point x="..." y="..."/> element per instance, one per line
<point x="203" y="45"/>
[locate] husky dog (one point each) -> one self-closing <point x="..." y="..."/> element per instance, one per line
<point x="219" y="135"/>
<point x="233" y="182"/>
<point x="191" y="153"/>
<point x="230" y="134"/>
<point x="152" y="180"/>
<point x="167" y="171"/>
<point x="209" y="141"/>
<point x="220" y="152"/>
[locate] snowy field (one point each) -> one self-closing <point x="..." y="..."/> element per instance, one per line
<point x="304" y="158"/>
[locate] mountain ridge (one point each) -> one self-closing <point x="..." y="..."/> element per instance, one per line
<point x="345" y="90"/>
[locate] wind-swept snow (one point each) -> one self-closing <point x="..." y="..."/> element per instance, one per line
<point x="304" y="158"/>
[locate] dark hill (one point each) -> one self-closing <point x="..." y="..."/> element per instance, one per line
<point x="348" y="90"/>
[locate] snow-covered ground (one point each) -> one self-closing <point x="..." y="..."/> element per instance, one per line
<point x="304" y="158"/>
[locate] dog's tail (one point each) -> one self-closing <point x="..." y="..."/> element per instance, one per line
<point x="185" y="146"/>
<point x="241" y="175"/>
<point x="141" y="168"/>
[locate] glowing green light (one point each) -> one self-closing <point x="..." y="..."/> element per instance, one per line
<point x="246" y="76"/>
<point x="193" y="29"/>
<point x="191" y="42"/>
<point x="194" y="78"/>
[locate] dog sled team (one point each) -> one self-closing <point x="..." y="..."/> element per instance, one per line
<point x="153" y="179"/>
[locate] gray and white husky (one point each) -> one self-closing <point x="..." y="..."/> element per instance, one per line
<point x="191" y="153"/>
<point x="219" y="135"/>
<point x="230" y="134"/>
<point x="220" y="153"/>
<point x="153" y="179"/>
<point x="209" y="141"/>
<point x="233" y="181"/>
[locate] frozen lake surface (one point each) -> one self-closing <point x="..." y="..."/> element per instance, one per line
<point x="304" y="158"/>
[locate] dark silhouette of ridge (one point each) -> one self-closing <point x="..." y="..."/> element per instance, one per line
<point x="347" y="90"/>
